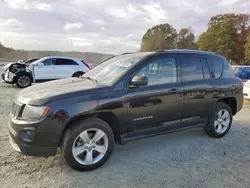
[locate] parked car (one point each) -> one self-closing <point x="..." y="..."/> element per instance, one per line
<point x="125" y="98"/>
<point x="246" y="90"/>
<point x="47" y="68"/>
<point x="243" y="72"/>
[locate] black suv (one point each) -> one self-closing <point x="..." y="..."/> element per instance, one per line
<point x="127" y="97"/>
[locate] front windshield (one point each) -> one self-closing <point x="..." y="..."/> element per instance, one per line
<point x="109" y="71"/>
<point x="38" y="60"/>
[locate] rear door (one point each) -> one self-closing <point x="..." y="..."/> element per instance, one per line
<point x="65" y="68"/>
<point x="195" y="74"/>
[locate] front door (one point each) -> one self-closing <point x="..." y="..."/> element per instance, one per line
<point x="161" y="100"/>
<point x="47" y="71"/>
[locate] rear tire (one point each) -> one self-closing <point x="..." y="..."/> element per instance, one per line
<point x="88" y="144"/>
<point x="23" y="81"/>
<point x="220" y="121"/>
<point x="78" y="74"/>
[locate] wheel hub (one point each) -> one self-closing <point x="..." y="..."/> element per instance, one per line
<point x="90" y="146"/>
<point x="220" y="121"/>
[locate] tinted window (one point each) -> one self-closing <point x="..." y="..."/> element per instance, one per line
<point x="191" y="69"/>
<point x="206" y="70"/>
<point x="65" y="62"/>
<point x="216" y="67"/>
<point x="30" y="61"/>
<point x="246" y="69"/>
<point x="160" y="71"/>
<point x="228" y="70"/>
<point x="48" y="62"/>
<point x="112" y="69"/>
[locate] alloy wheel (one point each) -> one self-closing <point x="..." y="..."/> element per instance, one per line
<point x="90" y="146"/>
<point x="24" y="81"/>
<point x="222" y="121"/>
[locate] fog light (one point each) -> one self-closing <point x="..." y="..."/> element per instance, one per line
<point x="27" y="135"/>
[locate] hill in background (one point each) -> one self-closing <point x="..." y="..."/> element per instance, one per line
<point x="10" y="54"/>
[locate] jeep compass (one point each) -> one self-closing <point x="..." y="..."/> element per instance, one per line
<point x="126" y="97"/>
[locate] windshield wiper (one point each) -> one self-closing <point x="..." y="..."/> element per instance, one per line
<point x="88" y="78"/>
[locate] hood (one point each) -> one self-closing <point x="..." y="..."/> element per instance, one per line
<point x="10" y="64"/>
<point x="7" y="66"/>
<point x="60" y="89"/>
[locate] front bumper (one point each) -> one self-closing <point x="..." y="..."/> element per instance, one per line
<point x="2" y="76"/>
<point x="31" y="148"/>
<point x="6" y="78"/>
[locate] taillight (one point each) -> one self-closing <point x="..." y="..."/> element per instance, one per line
<point x="86" y="64"/>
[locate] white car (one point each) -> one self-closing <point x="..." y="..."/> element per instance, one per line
<point x="47" y="68"/>
<point x="246" y="90"/>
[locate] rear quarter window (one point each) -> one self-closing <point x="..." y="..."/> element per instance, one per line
<point x="228" y="70"/>
<point x="216" y="67"/>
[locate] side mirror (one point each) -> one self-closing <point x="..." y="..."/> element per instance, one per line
<point x="138" y="81"/>
<point x="40" y="64"/>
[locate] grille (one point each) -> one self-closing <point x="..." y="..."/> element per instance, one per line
<point x="16" y="108"/>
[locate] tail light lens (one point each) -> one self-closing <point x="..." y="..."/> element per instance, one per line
<point x="86" y="64"/>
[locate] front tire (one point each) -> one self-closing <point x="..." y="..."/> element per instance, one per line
<point x="88" y="144"/>
<point x="23" y="81"/>
<point x="220" y="121"/>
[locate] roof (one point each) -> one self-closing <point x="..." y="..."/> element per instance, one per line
<point x="65" y="57"/>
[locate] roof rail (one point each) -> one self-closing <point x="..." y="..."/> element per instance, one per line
<point x="185" y="51"/>
<point x="160" y="51"/>
<point x="128" y="53"/>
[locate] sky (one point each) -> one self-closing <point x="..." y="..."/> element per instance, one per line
<point x="106" y="26"/>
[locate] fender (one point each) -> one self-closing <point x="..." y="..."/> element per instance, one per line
<point x="22" y="72"/>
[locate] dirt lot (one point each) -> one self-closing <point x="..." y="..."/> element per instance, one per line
<point x="184" y="159"/>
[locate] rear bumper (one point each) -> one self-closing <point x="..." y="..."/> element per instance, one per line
<point x="246" y="92"/>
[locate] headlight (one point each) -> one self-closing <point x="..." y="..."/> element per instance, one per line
<point x="34" y="112"/>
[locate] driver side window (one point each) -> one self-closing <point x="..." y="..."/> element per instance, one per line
<point x="160" y="71"/>
<point x="49" y="62"/>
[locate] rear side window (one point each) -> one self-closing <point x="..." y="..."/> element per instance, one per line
<point x="206" y="70"/>
<point x="191" y="69"/>
<point x="65" y="62"/>
<point x="216" y="67"/>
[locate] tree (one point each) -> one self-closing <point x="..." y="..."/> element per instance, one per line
<point x="243" y="29"/>
<point x="185" y="39"/>
<point x="160" y="37"/>
<point x="247" y="47"/>
<point x="220" y="36"/>
<point x="226" y="35"/>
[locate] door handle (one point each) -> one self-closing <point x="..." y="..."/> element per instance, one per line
<point x="174" y="90"/>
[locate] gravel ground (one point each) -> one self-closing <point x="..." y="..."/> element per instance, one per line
<point x="183" y="159"/>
